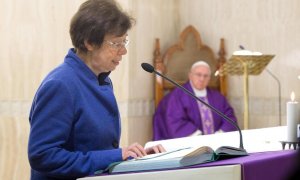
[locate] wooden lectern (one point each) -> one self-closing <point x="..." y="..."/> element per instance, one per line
<point x="245" y="65"/>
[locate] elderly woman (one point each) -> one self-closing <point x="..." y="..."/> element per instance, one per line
<point x="74" y="118"/>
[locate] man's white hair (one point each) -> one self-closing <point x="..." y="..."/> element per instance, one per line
<point x="200" y="63"/>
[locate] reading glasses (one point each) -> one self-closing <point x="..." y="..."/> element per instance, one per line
<point x="117" y="45"/>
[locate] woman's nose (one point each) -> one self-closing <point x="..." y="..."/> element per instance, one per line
<point x="122" y="51"/>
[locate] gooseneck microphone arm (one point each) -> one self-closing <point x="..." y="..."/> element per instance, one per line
<point x="147" y="67"/>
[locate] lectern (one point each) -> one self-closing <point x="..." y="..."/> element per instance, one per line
<point x="245" y="65"/>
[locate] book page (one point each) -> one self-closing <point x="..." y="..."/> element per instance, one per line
<point x="167" y="155"/>
<point x="178" y="153"/>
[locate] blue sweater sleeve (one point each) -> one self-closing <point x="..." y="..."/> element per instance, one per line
<point x="52" y="117"/>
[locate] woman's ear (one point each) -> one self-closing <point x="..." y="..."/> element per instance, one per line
<point x="88" y="46"/>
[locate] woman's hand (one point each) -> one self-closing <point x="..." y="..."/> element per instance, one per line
<point x="134" y="151"/>
<point x="155" y="149"/>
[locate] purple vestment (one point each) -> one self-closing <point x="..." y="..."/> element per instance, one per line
<point x="178" y="115"/>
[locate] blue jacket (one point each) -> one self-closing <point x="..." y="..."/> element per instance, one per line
<point x="75" y="123"/>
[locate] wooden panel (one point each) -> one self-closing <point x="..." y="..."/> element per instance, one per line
<point x="13" y="148"/>
<point x="34" y="39"/>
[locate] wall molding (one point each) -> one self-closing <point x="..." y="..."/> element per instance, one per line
<point x="259" y="106"/>
<point x="145" y="107"/>
<point x="136" y="108"/>
<point x="131" y="108"/>
<point x="15" y="108"/>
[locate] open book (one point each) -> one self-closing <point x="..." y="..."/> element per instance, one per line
<point x="176" y="159"/>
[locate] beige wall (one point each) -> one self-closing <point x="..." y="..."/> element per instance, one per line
<point x="34" y="39"/>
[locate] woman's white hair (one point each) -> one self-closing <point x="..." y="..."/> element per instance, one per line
<point x="200" y="63"/>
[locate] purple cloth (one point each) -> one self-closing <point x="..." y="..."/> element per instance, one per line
<point x="178" y="114"/>
<point x="273" y="165"/>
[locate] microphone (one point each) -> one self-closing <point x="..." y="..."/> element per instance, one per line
<point x="149" y="68"/>
<point x="241" y="47"/>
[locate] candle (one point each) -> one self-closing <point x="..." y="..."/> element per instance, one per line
<point x="292" y="115"/>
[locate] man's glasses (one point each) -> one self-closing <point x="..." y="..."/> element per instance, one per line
<point x="117" y="45"/>
<point x="199" y="75"/>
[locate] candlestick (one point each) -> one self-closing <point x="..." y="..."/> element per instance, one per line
<point x="292" y="114"/>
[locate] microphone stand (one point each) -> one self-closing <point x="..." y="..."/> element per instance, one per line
<point x="147" y="67"/>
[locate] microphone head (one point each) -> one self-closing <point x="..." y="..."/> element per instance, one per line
<point x="147" y="67"/>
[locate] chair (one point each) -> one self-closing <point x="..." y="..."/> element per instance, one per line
<point x="178" y="58"/>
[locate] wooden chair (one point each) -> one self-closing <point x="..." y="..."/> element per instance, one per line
<point x="178" y="58"/>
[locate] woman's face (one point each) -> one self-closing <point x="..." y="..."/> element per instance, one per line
<point x="108" y="56"/>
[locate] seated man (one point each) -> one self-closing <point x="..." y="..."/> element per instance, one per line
<point x="179" y="115"/>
